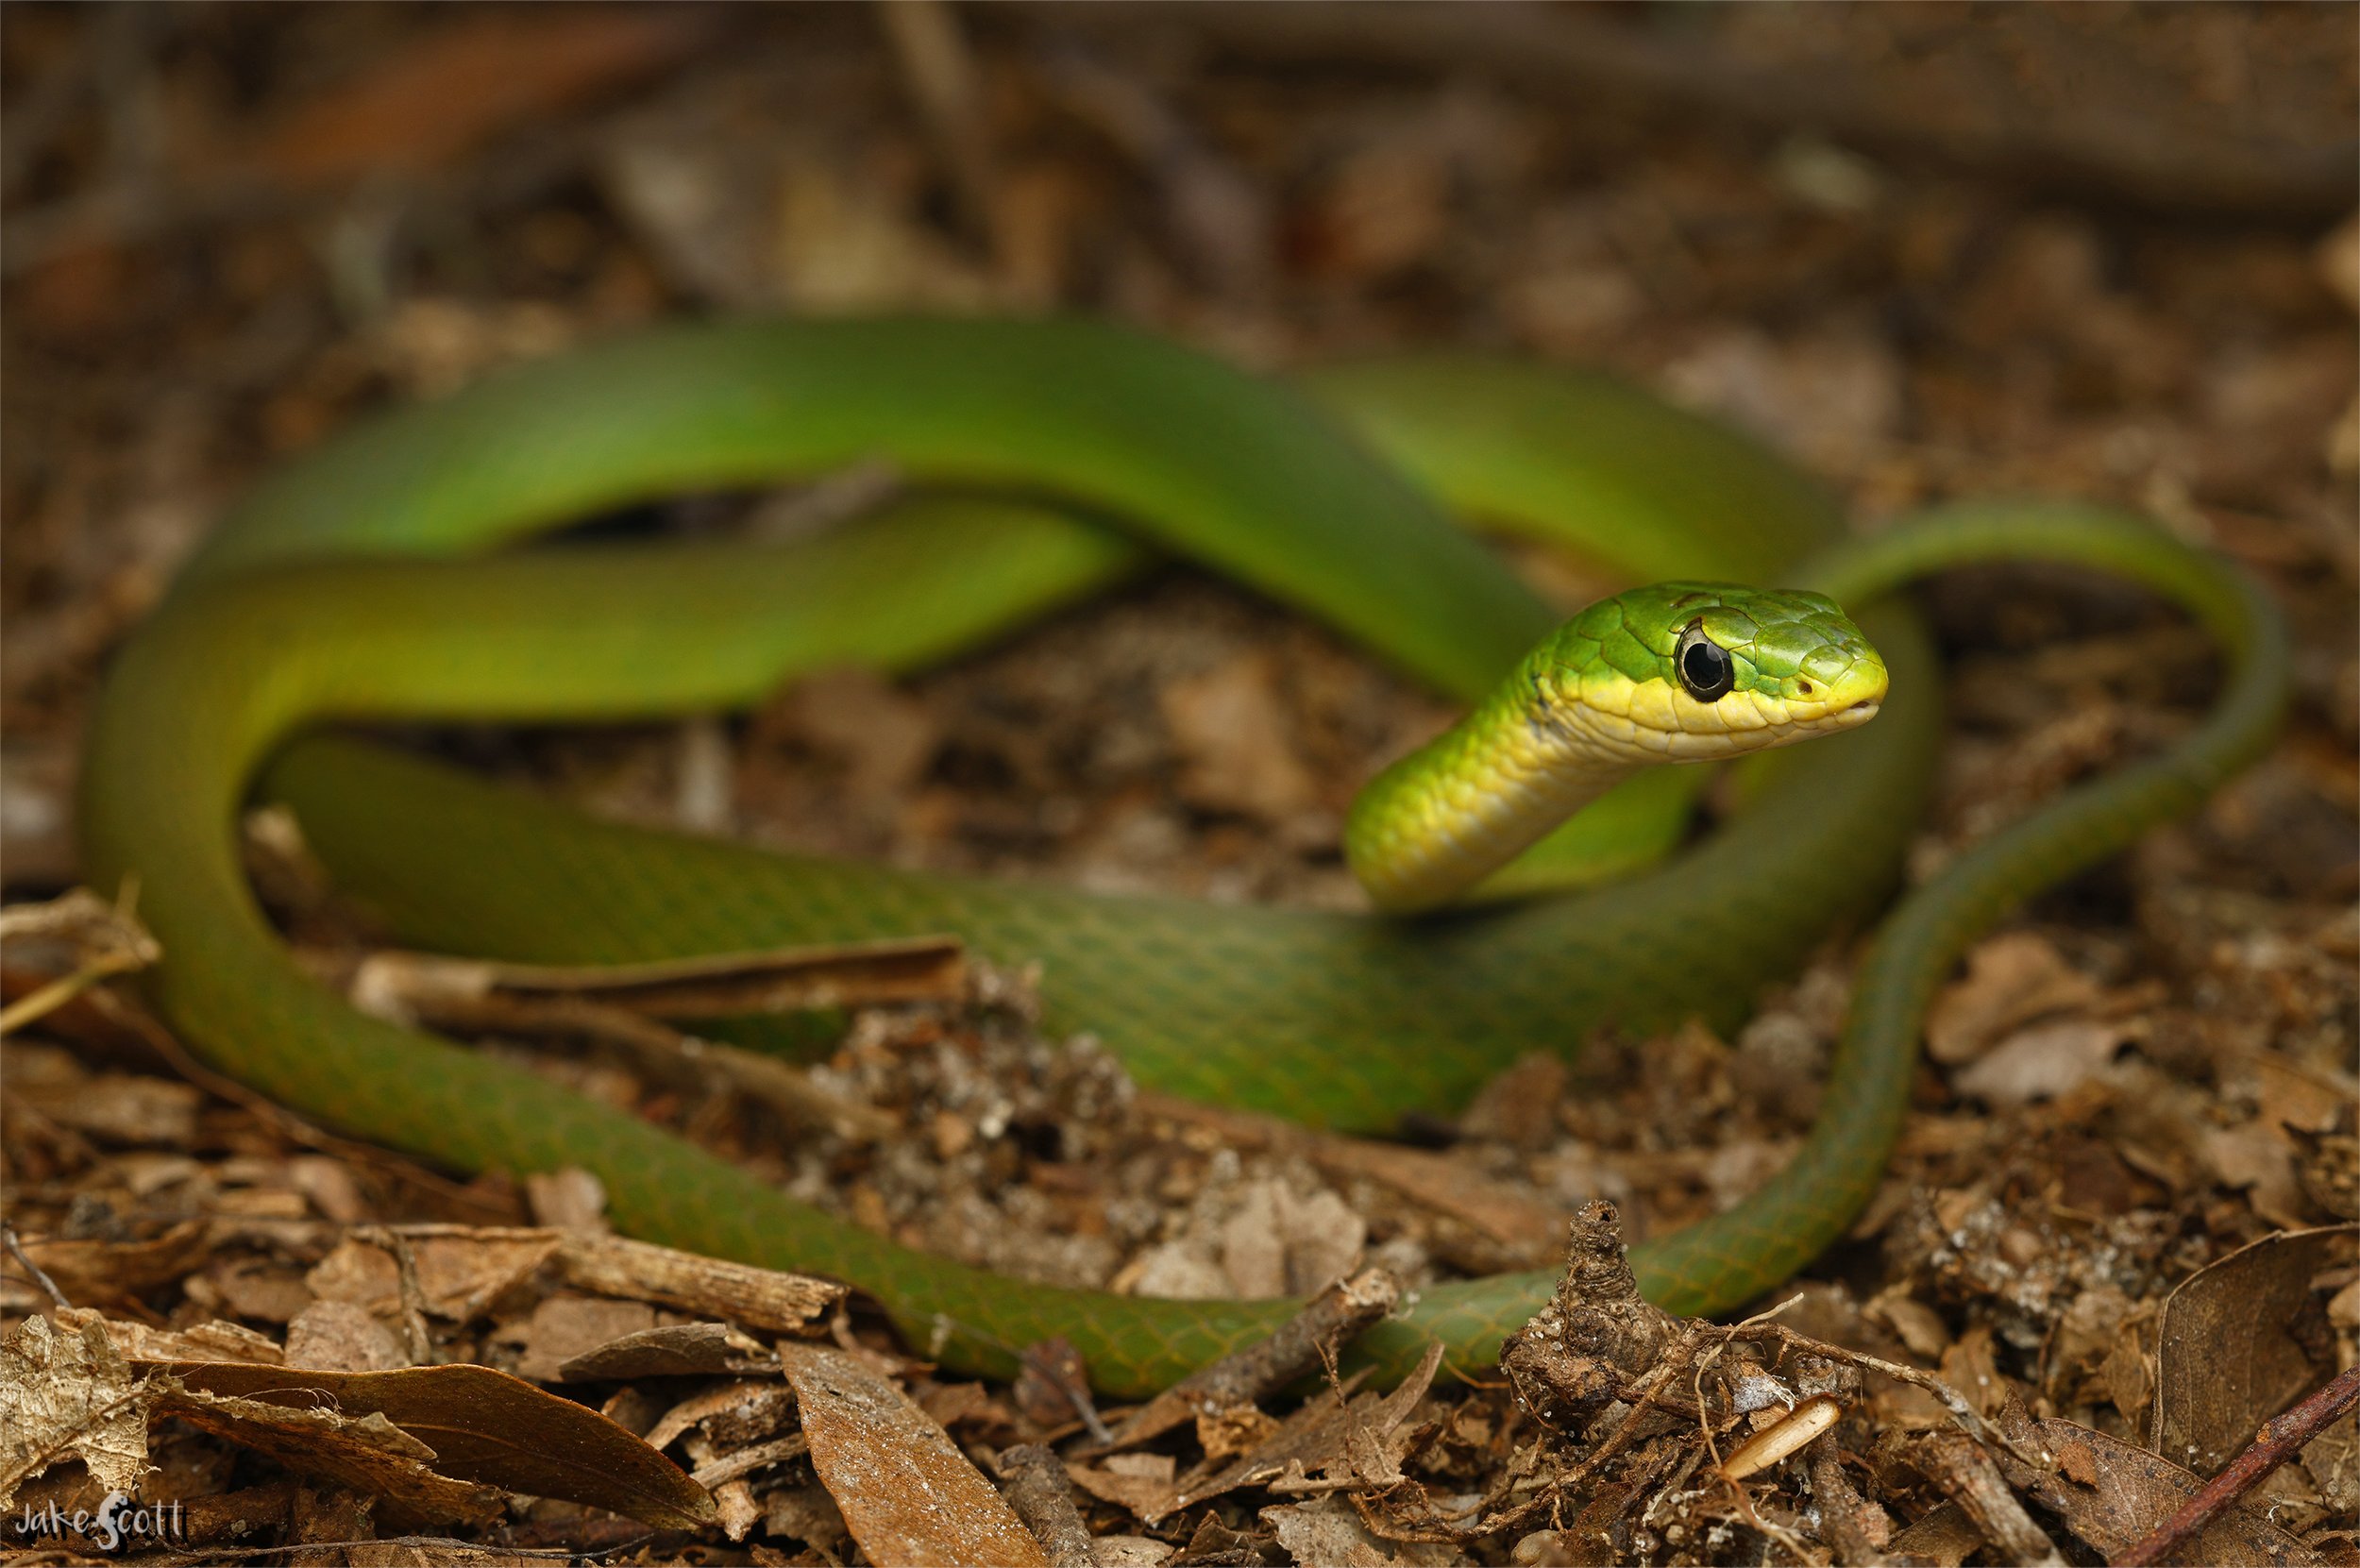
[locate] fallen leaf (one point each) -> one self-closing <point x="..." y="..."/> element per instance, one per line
<point x="453" y="86"/>
<point x="2257" y="1158"/>
<point x="484" y="1425"/>
<point x="2225" y="1361"/>
<point x="674" y="1350"/>
<point x="1140" y="1482"/>
<point x="885" y="736"/>
<point x="565" y="1326"/>
<point x="66" y="1393"/>
<point x="742" y="1411"/>
<point x="2011" y="979"/>
<point x="1328" y="1531"/>
<point x="205" y="1342"/>
<point x="111" y="1270"/>
<point x="2040" y="1063"/>
<point x="571" y="1199"/>
<point x="2130" y="1492"/>
<point x="906" y="1491"/>
<point x="463" y="1271"/>
<point x="2332" y="1462"/>
<point x="1971" y="1367"/>
<point x="1946" y="1537"/>
<point x="1236" y="742"/>
<point x="367" y="1454"/>
<point x="1331" y="1444"/>
<point x="125" y="1109"/>
<point x="336" y="1335"/>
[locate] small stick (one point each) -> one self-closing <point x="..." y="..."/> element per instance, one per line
<point x="2279" y="1440"/>
<point x="1334" y="1317"/>
<point x="48" y="1286"/>
<point x="1961" y="1411"/>
<point x="1037" y="1487"/>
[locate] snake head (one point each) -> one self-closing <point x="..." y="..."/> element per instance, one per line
<point x="1676" y="672"/>
<point x="1695" y="671"/>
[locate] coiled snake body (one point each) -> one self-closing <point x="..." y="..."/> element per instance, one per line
<point x="1058" y="456"/>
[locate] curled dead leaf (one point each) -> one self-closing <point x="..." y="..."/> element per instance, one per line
<point x="486" y="1426"/>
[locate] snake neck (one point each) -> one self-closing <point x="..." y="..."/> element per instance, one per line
<point x="1442" y="818"/>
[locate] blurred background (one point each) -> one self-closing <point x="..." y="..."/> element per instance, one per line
<point x="2098" y="251"/>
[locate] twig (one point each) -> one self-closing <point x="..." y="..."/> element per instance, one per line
<point x="1335" y="1316"/>
<point x="2281" y="1439"/>
<point x="1035" y="1485"/>
<point x="48" y="1286"/>
<point x="1958" y="1465"/>
<point x="109" y="936"/>
<point x="941" y="76"/>
<point x="66" y="988"/>
<point x="1962" y="1413"/>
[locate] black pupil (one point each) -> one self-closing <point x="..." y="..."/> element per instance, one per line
<point x="1705" y="667"/>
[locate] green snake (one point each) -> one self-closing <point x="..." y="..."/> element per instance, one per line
<point x="1051" y="459"/>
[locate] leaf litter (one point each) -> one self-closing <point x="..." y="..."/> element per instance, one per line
<point x="2145" y="1073"/>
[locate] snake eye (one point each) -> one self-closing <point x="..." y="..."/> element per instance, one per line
<point x="1705" y="666"/>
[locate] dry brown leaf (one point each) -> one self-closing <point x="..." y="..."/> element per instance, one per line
<point x="807" y="1513"/>
<point x="463" y="1271"/>
<point x="1451" y="1188"/>
<point x="1331" y="1444"/>
<point x="123" y="1108"/>
<point x="571" y="1199"/>
<point x="367" y="1454"/>
<point x="885" y="736"/>
<point x="2257" y="1157"/>
<point x="906" y="1491"/>
<point x="2011" y="979"/>
<point x="453" y="86"/>
<point x="737" y="1412"/>
<point x="486" y="1426"/>
<point x="66" y="1393"/>
<point x="1236" y="741"/>
<point x="2041" y="1062"/>
<point x="1280" y="1243"/>
<point x="2332" y="1462"/>
<point x="2224" y="1359"/>
<point x="336" y="1335"/>
<point x="1971" y="1367"/>
<point x="1920" y="1326"/>
<point x="111" y="1270"/>
<point x="1946" y="1537"/>
<point x="673" y="1350"/>
<point x="565" y="1326"/>
<point x="2111" y="1493"/>
<point x="205" y="1342"/>
<point x="1140" y="1482"/>
<point x="1329" y="1531"/>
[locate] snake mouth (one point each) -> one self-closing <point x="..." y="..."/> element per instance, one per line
<point x="1859" y="713"/>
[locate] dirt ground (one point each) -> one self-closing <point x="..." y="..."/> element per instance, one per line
<point x="2105" y="251"/>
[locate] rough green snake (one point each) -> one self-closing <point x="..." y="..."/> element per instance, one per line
<point x="1055" y="457"/>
